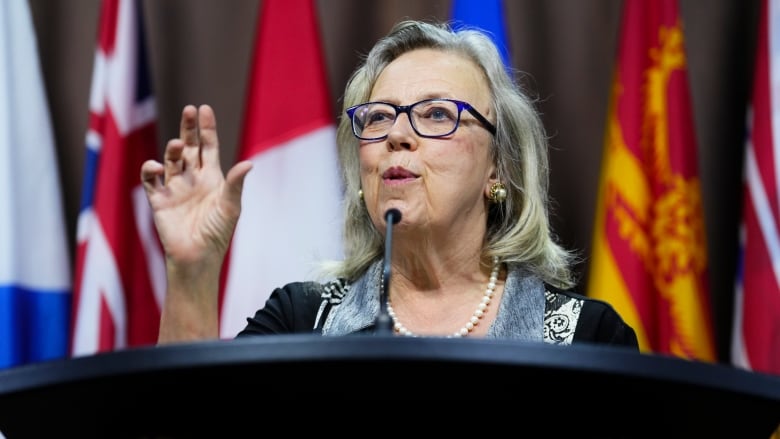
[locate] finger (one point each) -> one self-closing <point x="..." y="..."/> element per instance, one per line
<point x="173" y="164"/>
<point x="209" y="141"/>
<point x="151" y="173"/>
<point x="188" y="127"/>
<point x="189" y="135"/>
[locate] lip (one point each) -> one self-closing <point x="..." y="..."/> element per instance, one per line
<point x="398" y="174"/>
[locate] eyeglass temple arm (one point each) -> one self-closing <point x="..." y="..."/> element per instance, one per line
<point x="490" y="127"/>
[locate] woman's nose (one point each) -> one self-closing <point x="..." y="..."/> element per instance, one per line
<point x="402" y="134"/>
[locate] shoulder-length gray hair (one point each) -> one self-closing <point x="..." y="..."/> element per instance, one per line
<point x="518" y="229"/>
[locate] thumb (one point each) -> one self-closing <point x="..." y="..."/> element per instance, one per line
<point x="235" y="181"/>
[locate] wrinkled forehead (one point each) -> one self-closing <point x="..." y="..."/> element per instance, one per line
<point x="430" y="73"/>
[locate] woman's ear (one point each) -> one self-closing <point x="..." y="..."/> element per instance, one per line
<point x="491" y="182"/>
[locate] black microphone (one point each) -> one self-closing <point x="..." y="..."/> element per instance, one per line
<point x="384" y="323"/>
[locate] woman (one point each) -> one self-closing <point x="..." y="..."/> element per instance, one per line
<point x="435" y="128"/>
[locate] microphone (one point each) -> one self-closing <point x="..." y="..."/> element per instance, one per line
<point x="383" y="323"/>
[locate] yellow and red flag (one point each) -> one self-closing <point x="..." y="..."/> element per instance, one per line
<point x="649" y="255"/>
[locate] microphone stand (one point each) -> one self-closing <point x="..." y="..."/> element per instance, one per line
<point x="383" y="322"/>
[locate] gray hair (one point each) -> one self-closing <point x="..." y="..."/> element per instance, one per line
<point x="518" y="229"/>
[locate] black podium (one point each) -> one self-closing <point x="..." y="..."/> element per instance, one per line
<point x="305" y="384"/>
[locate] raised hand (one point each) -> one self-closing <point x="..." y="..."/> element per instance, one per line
<point x="196" y="208"/>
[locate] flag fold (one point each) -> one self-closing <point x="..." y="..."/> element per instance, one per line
<point x="120" y="272"/>
<point x="35" y="281"/>
<point x="649" y="255"/>
<point x="291" y="200"/>
<point x="756" y="327"/>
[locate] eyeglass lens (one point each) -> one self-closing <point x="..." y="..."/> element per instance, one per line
<point x="429" y="118"/>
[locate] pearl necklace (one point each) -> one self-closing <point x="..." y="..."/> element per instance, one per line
<point x="475" y="317"/>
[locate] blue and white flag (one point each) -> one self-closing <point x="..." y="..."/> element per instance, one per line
<point x="487" y="15"/>
<point x="35" y="277"/>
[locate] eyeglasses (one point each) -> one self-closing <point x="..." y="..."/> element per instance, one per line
<point x="429" y="118"/>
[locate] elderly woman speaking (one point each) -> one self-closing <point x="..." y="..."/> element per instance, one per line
<point x="440" y="144"/>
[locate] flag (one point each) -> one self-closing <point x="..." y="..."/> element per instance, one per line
<point x="35" y="280"/>
<point x="487" y="15"/>
<point x="756" y="326"/>
<point x="291" y="201"/>
<point x="649" y="255"/>
<point x="120" y="274"/>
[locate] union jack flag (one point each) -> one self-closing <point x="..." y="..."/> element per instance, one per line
<point x="119" y="282"/>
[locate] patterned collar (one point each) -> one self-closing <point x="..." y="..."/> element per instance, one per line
<point x="521" y="313"/>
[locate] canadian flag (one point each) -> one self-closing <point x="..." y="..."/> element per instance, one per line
<point x="291" y="202"/>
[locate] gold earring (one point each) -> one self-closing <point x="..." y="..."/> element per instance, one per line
<point x="360" y="193"/>
<point x="497" y="192"/>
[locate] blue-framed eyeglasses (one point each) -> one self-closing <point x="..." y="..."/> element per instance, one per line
<point x="429" y="118"/>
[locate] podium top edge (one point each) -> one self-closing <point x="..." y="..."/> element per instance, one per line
<point x="293" y="348"/>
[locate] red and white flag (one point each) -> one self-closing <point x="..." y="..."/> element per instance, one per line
<point x="120" y="274"/>
<point x="291" y="205"/>
<point x="756" y="328"/>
